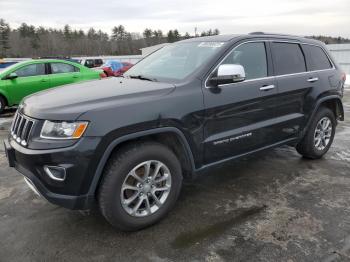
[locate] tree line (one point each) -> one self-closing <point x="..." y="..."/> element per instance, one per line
<point x="30" y="41"/>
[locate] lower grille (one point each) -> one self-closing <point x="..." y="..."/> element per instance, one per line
<point x="21" y="128"/>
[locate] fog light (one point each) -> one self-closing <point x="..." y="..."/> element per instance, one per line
<point x="55" y="172"/>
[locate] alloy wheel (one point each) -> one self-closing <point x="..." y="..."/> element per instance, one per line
<point x="323" y="133"/>
<point x="146" y="188"/>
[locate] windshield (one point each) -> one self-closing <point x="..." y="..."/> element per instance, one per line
<point x="175" y="61"/>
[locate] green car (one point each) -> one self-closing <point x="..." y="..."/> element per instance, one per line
<point x="28" y="77"/>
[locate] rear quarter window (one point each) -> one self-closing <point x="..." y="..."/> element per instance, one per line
<point x="288" y="58"/>
<point x="316" y="58"/>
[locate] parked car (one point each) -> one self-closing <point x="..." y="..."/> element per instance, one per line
<point x="4" y="64"/>
<point x="90" y="62"/>
<point x="126" y="144"/>
<point x="126" y="67"/>
<point x="115" y="68"/>
<point x="111" y="67"/>
<point x="28" y="77"/>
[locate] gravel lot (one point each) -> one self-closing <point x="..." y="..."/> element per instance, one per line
<point x="273" y="206"/>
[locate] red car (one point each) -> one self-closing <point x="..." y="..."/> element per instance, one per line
<point x="126" y="67"/>
<point x="115" y="68"/>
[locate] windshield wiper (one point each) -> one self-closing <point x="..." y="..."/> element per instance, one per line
<point x="141" y="77"/>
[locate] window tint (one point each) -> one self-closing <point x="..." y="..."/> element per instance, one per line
<point x="60" y="68"/>
<point x="252" y="56"/>
<point x="31" y="70"/>
<point x="288" y="58"/>
<point x="98" y="62"/>
<point x="317" y="59"/>
<point x="89" y="63"/>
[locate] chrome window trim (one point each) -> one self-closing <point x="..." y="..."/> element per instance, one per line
<point x="273" y="76"/>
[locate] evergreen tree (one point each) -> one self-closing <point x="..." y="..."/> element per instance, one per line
<point x="4" y="37"/>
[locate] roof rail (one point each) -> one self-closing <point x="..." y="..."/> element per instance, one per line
<point x="257" y="33"/>
<point x="264" y="33"/>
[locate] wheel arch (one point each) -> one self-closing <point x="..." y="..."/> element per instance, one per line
<point x="165" y="135"/>
<point x="334" y="103"/>
<point x="3" y="95"/>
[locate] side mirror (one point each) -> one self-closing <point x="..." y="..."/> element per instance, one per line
<point x="11" y="76"/>
<point x="228" y="74"/>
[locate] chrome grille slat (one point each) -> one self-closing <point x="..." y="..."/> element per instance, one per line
<point x="21" y="128"/>
<point x="18" y="124"/>
<point x="24" y="129"/>
<point x="13" y="122"/>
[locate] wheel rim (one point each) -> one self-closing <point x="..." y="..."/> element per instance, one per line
<point x="146" y="188"/>
<point x="323" y="133"/>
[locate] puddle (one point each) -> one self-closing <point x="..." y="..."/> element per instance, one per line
<point x="188" y="239"/>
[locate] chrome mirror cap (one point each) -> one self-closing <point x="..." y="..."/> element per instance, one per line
<point x="227" y="74"/>
<point x="234" y="71"/>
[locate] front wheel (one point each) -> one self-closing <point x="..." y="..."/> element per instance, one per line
<point x="319" y="136"/>
<point x="140" y="186"/>
<point x="2" y="104"/>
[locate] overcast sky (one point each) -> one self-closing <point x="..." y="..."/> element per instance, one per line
<point x="302" y="17"/>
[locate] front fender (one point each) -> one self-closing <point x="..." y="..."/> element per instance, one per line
<point x="116" y="142"/>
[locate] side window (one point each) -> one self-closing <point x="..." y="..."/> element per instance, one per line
<point x="316" y="59"/>
<point x="89" y="63"/>
<point x="31" y="70"/>
<point x="288" y="58"/>
<point x="252" y="56"/>
<point x="60" y="68"/>
<point x="98" y="62"/>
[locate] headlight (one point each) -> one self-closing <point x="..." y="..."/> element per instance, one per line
<point x="63" y="130"/>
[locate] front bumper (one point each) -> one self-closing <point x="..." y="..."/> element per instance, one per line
<point x="78" y="161"/>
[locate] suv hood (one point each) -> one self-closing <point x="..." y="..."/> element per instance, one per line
<point x="69" y="102"/>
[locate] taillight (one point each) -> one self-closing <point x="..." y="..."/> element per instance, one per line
<point x="343" y="77"/>
<point x="103" y="75"/>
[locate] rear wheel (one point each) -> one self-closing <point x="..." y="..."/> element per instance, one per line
<point x="319" y="136"/>
<point x="140" y="186"/>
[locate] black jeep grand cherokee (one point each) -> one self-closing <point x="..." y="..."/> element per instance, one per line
<point x="126" y="143"/>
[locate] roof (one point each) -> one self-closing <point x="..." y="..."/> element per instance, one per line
<point x="227" y="38"/>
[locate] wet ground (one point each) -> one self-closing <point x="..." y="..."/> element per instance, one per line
<point x="273" y="206"/>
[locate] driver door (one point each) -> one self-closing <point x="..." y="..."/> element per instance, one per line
<point x="30" y="79"/>
<point x="240" y="116"/>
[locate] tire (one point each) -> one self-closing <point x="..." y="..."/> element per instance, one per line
<point x="311" y="146"/>
<point x="117" y="176"/>
<point x="2" y="104"/>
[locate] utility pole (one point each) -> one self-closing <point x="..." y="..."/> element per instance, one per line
<point x="195" y="32"/>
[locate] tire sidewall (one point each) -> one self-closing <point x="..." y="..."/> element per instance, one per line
<point x="114" y="205"/>
<point x="2" y="104"/>
<point x="324" y="112"/>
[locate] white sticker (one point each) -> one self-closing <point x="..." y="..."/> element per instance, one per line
<point x="211" y="44"/>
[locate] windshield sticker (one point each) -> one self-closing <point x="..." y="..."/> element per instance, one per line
<point x="211" y="44"/>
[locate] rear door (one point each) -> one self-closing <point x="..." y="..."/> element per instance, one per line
<point x="31" y="79"/>
<point x="294" y="84"/>
<point x="325" y="73"/>
<point x="63" y="74"/>
<point x="240" y="116"/>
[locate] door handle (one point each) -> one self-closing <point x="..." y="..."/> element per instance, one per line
<point x="43" y="80"/>
<point x="313" y="79"/>
<point x="75" y="76"/>
<point x="266" y="88"/>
